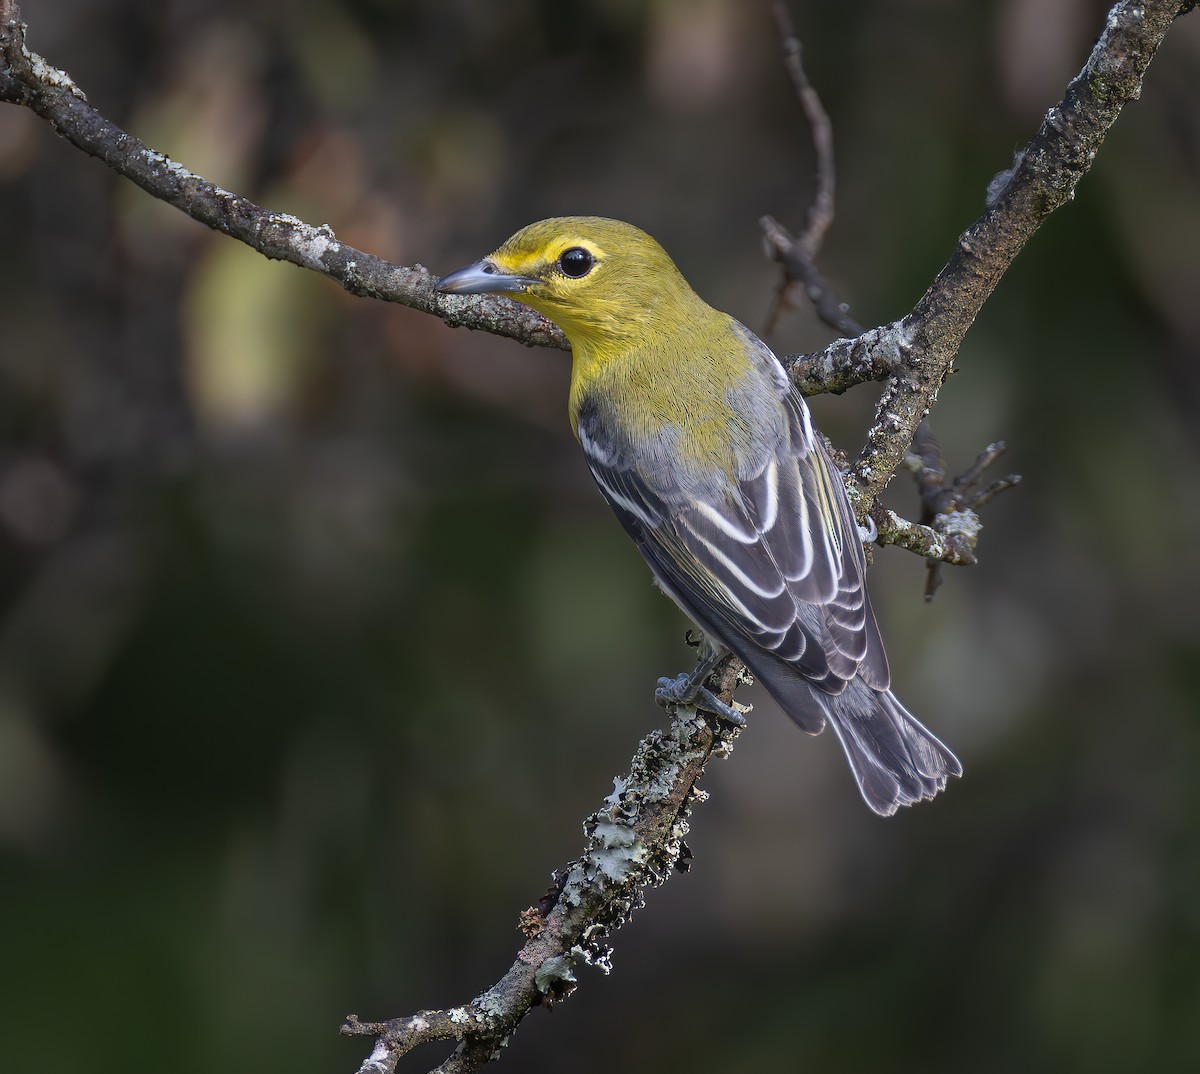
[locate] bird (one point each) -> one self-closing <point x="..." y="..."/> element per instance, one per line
<point x="709" y="457"/>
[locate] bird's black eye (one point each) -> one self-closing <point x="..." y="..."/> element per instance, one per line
<point x="576" y="262"/>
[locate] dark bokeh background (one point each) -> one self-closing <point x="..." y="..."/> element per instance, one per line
<point x="316" y="643"/>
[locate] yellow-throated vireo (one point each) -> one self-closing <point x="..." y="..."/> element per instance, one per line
<point x="699" y="443"/>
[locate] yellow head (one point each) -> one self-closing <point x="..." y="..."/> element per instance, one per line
<point x="607" y="284"/>
<point x="641" y="339"/>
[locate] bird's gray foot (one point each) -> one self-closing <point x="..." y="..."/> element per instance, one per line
<point x="689" y="689"/>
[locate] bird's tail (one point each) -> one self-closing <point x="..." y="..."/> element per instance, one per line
<point x="896" y="761"/>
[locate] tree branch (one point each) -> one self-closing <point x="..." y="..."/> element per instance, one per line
<point x="918" y="351"/>
<point x="944" y="534"/>
<point x="26" y="79"/>
<point x="634" y="841"/>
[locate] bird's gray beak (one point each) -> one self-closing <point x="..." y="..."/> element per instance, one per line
<point x="483" y="278"/>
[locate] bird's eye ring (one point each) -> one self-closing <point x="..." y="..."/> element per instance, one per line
<point x="576" y="262"/>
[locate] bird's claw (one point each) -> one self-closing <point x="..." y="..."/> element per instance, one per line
<point x="682" y="691"/>
<point x="867" y="532"/>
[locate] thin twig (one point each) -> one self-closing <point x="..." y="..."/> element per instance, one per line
<point x="799" y="268"/>
<point x="797" y="255"/>
<point x="950" y="505"/>
<point x="953" y="542"/>
<point x="820" y="213"/>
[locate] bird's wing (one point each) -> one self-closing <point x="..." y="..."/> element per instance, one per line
<point x="775" y="558"/>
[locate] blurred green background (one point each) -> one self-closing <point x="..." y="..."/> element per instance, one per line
<point x="317" y="644"/>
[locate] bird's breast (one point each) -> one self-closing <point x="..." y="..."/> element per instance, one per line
<point x="696" y="420"/>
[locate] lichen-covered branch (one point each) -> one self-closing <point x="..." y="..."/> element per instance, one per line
<point x="28" y="80"/>
<point x="918" y="351"/>
<point x="634" y="841"/>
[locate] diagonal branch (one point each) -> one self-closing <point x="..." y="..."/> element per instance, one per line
<point x="918" y="350"/>
<point x="943" y="535"/>
<point x="27" y="79"/>
<point x="634" y="841"/>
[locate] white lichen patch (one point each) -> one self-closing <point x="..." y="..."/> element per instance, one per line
<point x="459" y="1015"/>
<point x="573" y="888"/>
<point x="959" y="524"/>
<point x="52" y="76"/>
<point x="893" y="340"/>
<point x="313" y="244"/>
<point x="617" y="851"/>
<point x="165" y="163"/>
<point x="554" y="970"/>
<point x="490" y="1004"/>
